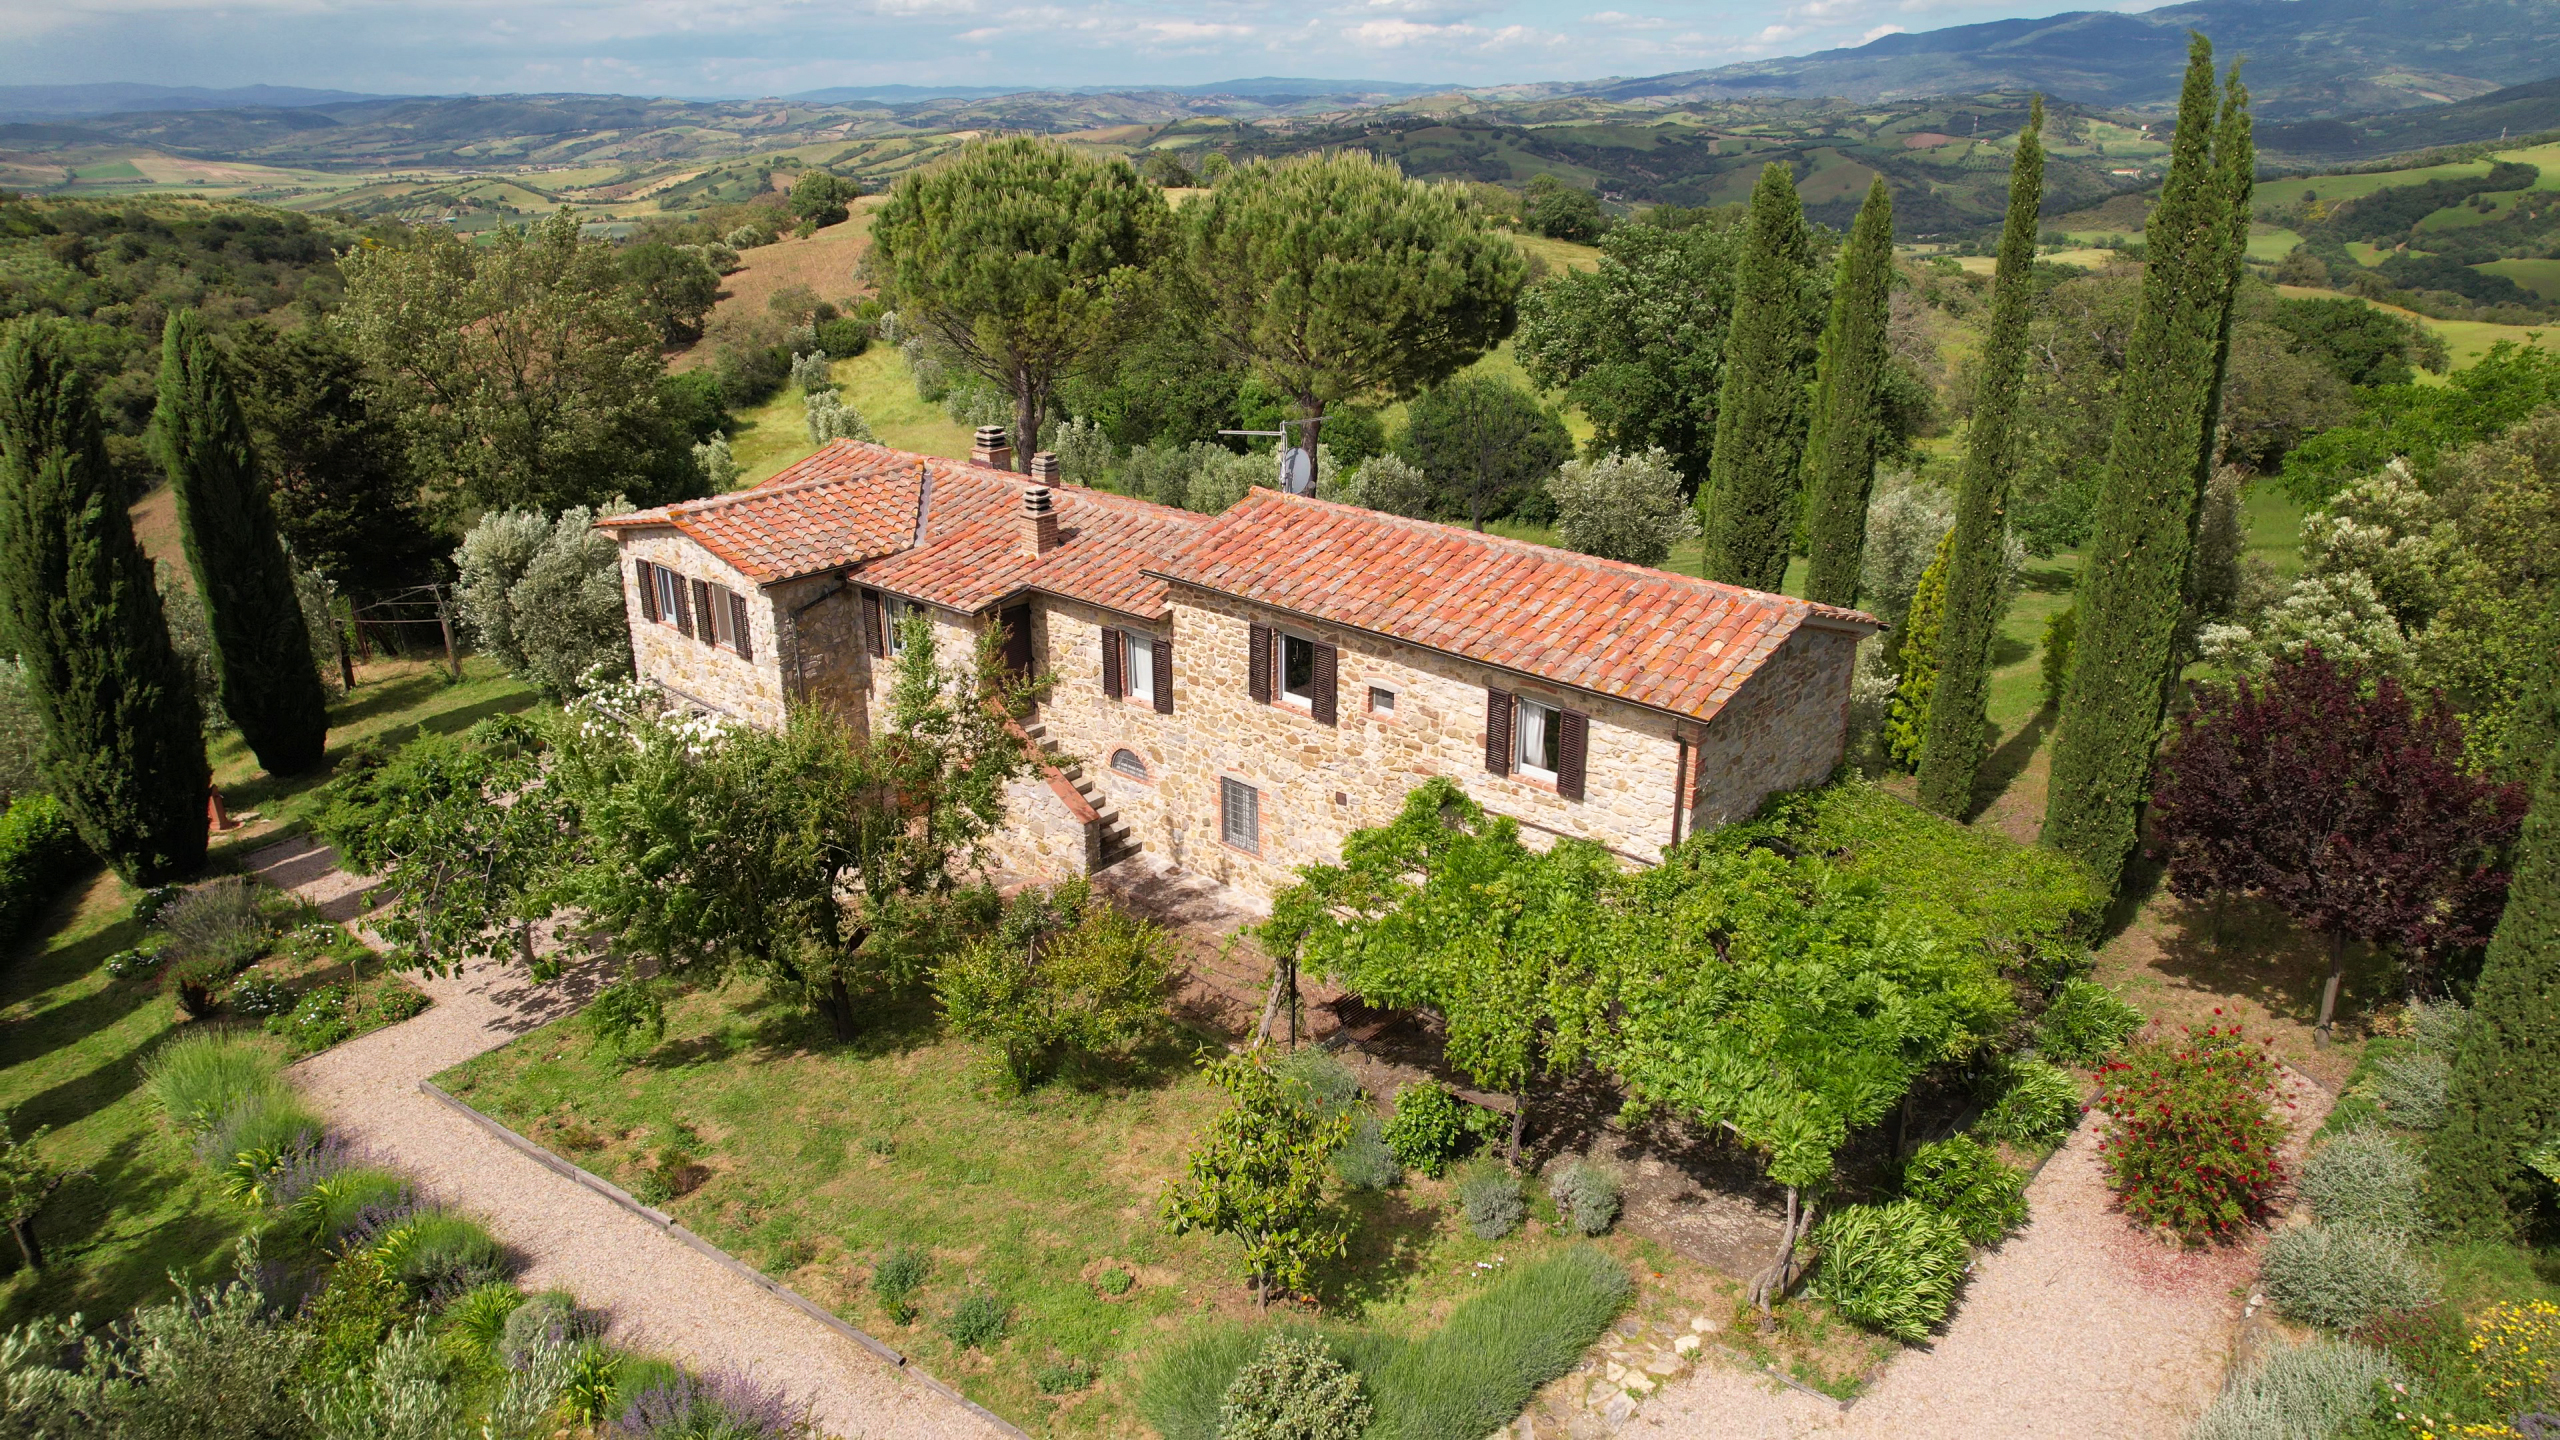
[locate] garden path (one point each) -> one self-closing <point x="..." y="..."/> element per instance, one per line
<point x="663" y="1295"/>
<point x="2079" y="1325"/>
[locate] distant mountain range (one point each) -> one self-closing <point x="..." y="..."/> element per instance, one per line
<point x="1265" y="87"/>
<point x="2516" y="110"/>
<point x="47" y="102"/>
<point x="2306" y="58"/>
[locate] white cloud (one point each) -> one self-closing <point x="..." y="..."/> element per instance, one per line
<point x="1880" y="32"/>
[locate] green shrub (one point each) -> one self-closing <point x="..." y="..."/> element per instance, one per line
<point x="195" y="982"/>
<point x="978" y="1322"/>
<point x="2411" y="1088"/>
<point x="223" y="920"/>
<point x="38" y="851"/>
<point x="552" y="1319"/>
<point x="472" y="1327"/>
<point x="1473" y="1375"/>
<point x="258" y="997"/>
<point x="2193" y="1149"/>
<point x="1489" y="1196"/>
<point x="317" y="1022"/>
<point x="2302" y="1392"/>
<point x="1115" y="1281"/>
<point x="1185" y="1388"/>
<point x="2061" y="631"/>
<point x="396" y="1002"/>
<point x="1325" y="1076"/>
<point x="628" y="1017"/>
<point x="1587" y="1195"/>
<point x="335" y="1204"/>
<point x="2366" y="1180"/>
<point x="135" y="963"/>
<point x="438" y="1254"/>
<point x="637" y="1375"/>
<point x="1064" y="1377"/>
<point x="899" y="1275"/>
<point x="255" y="1141"/>
<point x="195" y="1080"/>
<point x="2334" y="1277"/>
<point x="1365" y="1161"/>
<point x="1891" y="1268"/>
<point x="350" y="1316"/>
<point x="1963" y="1180"/>
<point x="1429" y="1128"/>
<point x="2038" y="1105"/>
<point x="148" y="905"/>
<point x="2085" y="1023"/>
<point x="1293" y="1389"/>
<point x="2436" y="1027"/>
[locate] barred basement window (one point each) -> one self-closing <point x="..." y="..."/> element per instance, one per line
<point x="1128" y="763"/>
<point x="1240" y="815"/>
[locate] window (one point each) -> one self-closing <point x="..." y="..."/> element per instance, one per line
<point x="1298" y="670"/>
<point x="671" y="599"/>
<point x="1141" y="666"/>
<point x="1539" y="732"/>
<point x="724" y="618"/>
<point x="1240" y="815"/>
<point x="1382" y="701"/>
<point x="893" y="612"/>
<point x="1128" y="763"/>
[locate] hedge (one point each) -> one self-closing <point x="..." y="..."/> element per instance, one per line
<point x="38" y="851"/>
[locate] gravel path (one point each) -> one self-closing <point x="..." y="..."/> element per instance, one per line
<point x="663" y="1296"/>
<point x="2079" y="1325"/>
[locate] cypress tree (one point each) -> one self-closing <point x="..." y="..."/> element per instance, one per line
<point x="2133" y="586"/>
<point x="1750" y="495"/>
<point x="1840" y="445"/>
<point x="123" y="738"/>
<point x="1919" y="658"/>
<point x="2505" y="1094"/>
<point x="1952" y="752"/>
<point x="261" y="648"/>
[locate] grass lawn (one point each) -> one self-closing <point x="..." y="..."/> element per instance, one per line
<point x="879" y="386"/>
<point x="2542" y="277"/>
<point x="809" y="1159"/>
<point x="73" y="1041"/>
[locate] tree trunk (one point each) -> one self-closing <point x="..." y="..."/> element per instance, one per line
<point x="1270" y="1009"/>
<point x="524" y="942"/>
<point x="1772" y="1284"/>
<point x="2329" y="988"/>
<point x="1291" y="965"/>
<point x="1028" y="401"/>
<point x="1519" y="1123"/>
<point x="836" y="1003"/>
<point x="25" y="1230"/>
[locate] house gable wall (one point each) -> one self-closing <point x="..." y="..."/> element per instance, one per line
<point x="1785" y="728"/>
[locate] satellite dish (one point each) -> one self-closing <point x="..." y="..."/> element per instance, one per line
<point x="1297" y="471"/>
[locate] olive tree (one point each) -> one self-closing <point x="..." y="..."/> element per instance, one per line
<point x="1018" y="257"/>
<point x="1335" y="280"/>
<point x="1623" y="507"/>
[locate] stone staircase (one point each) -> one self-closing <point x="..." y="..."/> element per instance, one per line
<point x="1117" y="841"/>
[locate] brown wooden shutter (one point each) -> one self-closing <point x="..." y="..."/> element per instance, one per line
<point x="1571" y="749"/>
<point x="705" y="628"/>
<point x="738" y="623"/>
<point x="1497" y="731"/>
<point x="648" y="577"/>
<point x="1320" y="701"/>
<point x="1164" y="677"/>
<point x="684" y="609"/>
<point x="1257" y="664"/>
<point x="872" y="623"/>
<point x="1114" y="684"/>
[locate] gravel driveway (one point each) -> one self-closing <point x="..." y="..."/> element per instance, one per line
<point x="663" y="1296"/>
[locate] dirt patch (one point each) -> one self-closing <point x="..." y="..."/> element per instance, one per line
<point x="826" y="262"/>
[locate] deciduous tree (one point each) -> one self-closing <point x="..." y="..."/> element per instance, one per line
<point x="337" y="477"/>
<point x="522" y="371"/>
<point x="823" y="198"/>
<point x="677" y="287"/>
<point x="1977" y="566"/>
<point x="123" y="739"/>
<point x="2350" y="809"/>
<point x="262" y="661"/>
<point x="1016" y="256"/>
<point x="1840" y="448"/>
<point x="1258" y="1174"/>
<point x="1750" y="496"/>
<point x="1335" y="280"/>
<point x="1064" y="972"/>
<point x="2134" y="589"/>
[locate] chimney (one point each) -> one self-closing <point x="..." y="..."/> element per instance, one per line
<point x="1044" y="468"/>
<point x="1039" y="522"/>
<point x="991" y="448"/>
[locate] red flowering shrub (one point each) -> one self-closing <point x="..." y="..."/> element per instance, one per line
<point x="2194" y="1146"/>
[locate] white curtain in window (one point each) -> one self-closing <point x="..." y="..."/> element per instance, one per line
<point x="1532" y="728"/>
<point x="1142" y="666"/>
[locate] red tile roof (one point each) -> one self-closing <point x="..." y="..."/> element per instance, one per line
<point x="853" y="506"/>
<point x="1668" y="641"/>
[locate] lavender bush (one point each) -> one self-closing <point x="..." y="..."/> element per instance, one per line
<point x="723" y="1405"/>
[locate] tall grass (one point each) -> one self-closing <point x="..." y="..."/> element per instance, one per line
<point x="198" y="1079"/>
<point x="2304" y="1393"/>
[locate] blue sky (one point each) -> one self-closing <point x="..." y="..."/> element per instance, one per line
<point x="766" y="47"/>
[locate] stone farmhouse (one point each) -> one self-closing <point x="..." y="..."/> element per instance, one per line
<point x="1237" y="692"/>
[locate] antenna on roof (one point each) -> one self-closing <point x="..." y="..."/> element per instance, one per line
<point x="1297" y="472"/>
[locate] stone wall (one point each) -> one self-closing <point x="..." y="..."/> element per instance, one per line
<point x="711" y="676"/>
<point x="1050" y="834"/>
<point x="1317" y="783"/>
<point x="1088" y="725"/>
<point x="1786" y="727"/>
<point x="955" y="647"/>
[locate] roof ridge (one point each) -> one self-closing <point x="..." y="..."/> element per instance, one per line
<point x="1533" y="550"/>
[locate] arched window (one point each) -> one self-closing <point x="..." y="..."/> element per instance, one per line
<point x="1128" y="763"/>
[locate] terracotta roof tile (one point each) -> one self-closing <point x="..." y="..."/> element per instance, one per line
<point x="1668" y="641"/>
